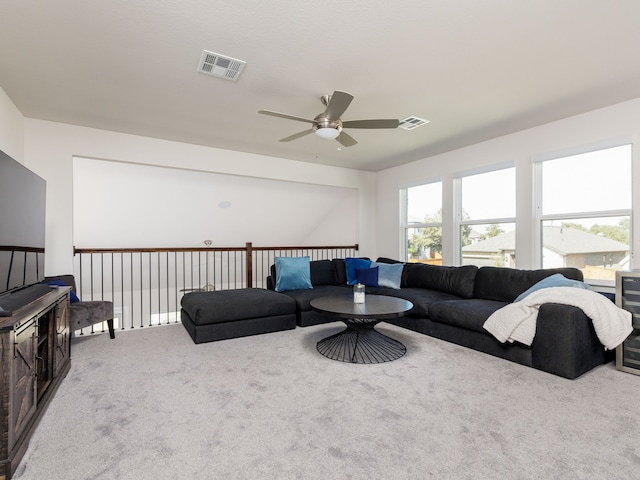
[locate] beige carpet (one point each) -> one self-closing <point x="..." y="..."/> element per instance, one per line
<point x="152" y="405"/>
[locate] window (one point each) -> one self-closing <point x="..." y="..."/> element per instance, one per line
<point x="584" y="211"/>
<point x="486" y="218"/>
<point x="423" y="223"/>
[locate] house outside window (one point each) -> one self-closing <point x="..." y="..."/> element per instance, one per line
<point x="422" y="227"/>
<point x="486" y="223"/>
<point x="584" y="211"/>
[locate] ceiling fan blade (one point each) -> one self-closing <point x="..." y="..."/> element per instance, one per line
<point x="296" y="135"/>
<point x="346" y="140"/>
<point x="284" y="115"/>
<point x="379" y="123"/>
<point x="337" y="105"/>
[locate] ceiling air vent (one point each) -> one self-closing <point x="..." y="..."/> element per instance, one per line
<point x="412" y="122"/>
<point x="220" y="66"/>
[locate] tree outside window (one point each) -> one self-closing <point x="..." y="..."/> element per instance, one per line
<point x="423" y="223"/>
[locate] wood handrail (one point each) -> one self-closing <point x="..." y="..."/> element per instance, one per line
<point x="248" y="249"/>
<point x="17" y="248"/>
<point x="306" y="247"/>
<point x="157" y="249"/>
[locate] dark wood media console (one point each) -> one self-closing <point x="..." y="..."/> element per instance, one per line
<point x="34" y="359"/>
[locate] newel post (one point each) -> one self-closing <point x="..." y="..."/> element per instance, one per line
<point x="249" y="253"/>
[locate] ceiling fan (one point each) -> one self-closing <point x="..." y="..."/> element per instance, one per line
<point x="328" y="125"/>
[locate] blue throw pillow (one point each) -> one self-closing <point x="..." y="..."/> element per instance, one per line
<point x="352" y="265"/>
<point x="389" y="274"/>
<point x="59" y="283"/>
<point x="555" y="280"/>
<point x="293" y="273"/>
<point x="367" y="276"/>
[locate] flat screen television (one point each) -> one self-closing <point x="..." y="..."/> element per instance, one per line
<point x="22" y="228"/>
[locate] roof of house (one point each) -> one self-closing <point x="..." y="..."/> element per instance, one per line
<point x="562" y="240"/>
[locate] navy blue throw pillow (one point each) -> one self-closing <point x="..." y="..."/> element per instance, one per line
<point x="367" y="276"/>
<point x="352" y="265"/>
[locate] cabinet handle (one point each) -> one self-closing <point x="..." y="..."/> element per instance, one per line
<point x="40" y="359"/>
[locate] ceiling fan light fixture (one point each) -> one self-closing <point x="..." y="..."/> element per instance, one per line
<point x="328" y="125"/>
<point x="327" y="133"/>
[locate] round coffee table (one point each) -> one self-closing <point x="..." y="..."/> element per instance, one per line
<point x="360" y="342"/>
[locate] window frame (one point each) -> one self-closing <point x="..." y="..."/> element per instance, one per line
<point x="458" y="220"/>
<point x="539" y="218"/>
<point x="405" y="225"/>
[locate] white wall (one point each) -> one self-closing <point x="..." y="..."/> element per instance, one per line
<point x="11" y="128"/>
<point x="50" y="148"/>
<point x="183" y="208"/>
<point x="617" y="121"/>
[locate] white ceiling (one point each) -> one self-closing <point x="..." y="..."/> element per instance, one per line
<point x="475" y="69"/>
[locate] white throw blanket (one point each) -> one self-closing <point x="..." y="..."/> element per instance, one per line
<point x="516" y="322"/>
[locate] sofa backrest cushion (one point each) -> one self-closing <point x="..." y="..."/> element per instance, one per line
<point x="505" y="284"/>
<point x="340" y="271"/>
<point x="455" y="280"/>
<point x="322" y="273"/>
<point x="387" y="260"/>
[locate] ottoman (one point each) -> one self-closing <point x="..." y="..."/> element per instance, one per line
<point x="211" y="316"/>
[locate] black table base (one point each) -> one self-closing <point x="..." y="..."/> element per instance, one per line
<point x="361" y="343"/>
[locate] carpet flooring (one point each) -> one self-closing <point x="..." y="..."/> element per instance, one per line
<point x="152" y="405"/>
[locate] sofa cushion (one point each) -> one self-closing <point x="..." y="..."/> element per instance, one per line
<point x="505" y="284"/>
<point x="303" y="297"/>
<point x="421" y="298"/>
<point x="340" y="271"/>
<point x="292" y="273"/>
<point x="469" y="313"/>
<point x="322" y="272"/>
<point x="457" y="281"/>
<point x="221" y="306"/>
<point x="389" y="275"/>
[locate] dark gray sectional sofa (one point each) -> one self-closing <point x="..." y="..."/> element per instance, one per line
<point x="452" y="304"/>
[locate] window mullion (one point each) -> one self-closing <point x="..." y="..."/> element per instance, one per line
<point x="488" y="221"/>
<point x="598" y="214"/>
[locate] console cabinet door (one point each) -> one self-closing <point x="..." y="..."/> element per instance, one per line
<point x="23" y="369"/>
<point x="61" y="338"/>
